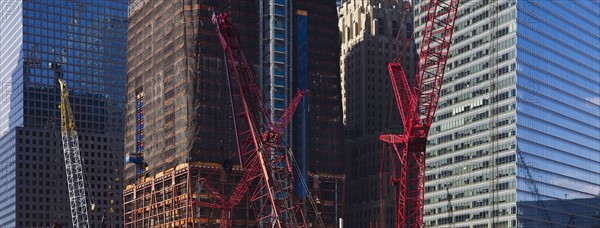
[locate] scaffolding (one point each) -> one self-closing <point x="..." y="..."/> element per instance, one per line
<point x="327" y="190"/>
<point x="169" y="199"/>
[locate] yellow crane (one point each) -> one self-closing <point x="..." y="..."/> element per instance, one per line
<point x="73" y="168"/>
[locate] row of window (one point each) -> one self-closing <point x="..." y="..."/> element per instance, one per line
<point x="442" y="173"/>
<point x="474" y="86"/>
<point x="469" y="119"/>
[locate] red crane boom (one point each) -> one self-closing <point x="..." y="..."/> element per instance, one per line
<point x="226" y="205"/>
<point x="417" y="106"/>
<point x="264" y="159"/>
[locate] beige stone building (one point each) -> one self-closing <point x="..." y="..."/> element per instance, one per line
<point x="373" y="33"/>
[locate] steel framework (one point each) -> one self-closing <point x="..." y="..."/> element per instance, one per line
<point x="226" y="205"/>
<point x="74" y="172"/>
<point x="171" y="199"/>
<point x="264" y="159"/>
<point x="417" y="106"/>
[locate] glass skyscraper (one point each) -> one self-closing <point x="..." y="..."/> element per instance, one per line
<point x="84" y="43"/>
<point x="516" y="139"/>
<point x="558" y="113"/>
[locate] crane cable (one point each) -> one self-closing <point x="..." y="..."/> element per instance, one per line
<point x="312" y="201"/>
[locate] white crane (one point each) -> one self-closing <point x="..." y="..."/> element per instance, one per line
<point x="75" y="181"/>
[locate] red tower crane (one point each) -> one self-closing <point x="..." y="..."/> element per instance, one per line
<point x="265" y="162"/>
<point x="417" y="107"/>
<point x="226" y="204"/>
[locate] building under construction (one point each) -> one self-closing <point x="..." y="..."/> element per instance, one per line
<point x="179" y="126"/>
<point x="177" y="109"/>
<point x="171" y="197"/>
<point x="317" y="129"/>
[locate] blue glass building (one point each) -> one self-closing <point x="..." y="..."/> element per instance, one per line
<point x="558" y="113"/>
<point x="516" y="139"/>
<point x="84" y="43"/>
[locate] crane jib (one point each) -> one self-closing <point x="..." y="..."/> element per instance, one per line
<point x="73" y="164"/>
<point x="267" y="174"/>
<point x="417" y="106"/>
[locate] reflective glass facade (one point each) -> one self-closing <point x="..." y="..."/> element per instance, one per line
<point x="84" y="43"/>
<point x="11" y="76"/>
<point x="558" y="113"/>
<point x="11" y="39"/>
<point x="516" y="138"/>
<point x="8" y="182"/>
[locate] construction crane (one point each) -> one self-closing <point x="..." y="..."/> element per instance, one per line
<point x="264" y="159"/>
<point x="417" y="106"/>
<point x="74" y="171"/>
<point x="226" y="204"/>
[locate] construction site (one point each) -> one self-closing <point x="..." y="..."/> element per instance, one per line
<point x="254" y="177"/>
<point x="175" y="198"/>
<point x="312" y="113"/>
<point x="202" y="147"/>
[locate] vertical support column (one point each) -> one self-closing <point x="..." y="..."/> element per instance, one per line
<point x="336" y="203"/>
<point x="301" y="119"/>
<point x="188" y="200"/>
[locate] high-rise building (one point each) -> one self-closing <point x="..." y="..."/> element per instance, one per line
<point x="178" y="126"/>
<point x="373" y="33"/>
<point x="516" y="138"/>
<point x="84" y="44"/>
<point x="276" y="55"/>
<point x="176" y="81"/>
<point x="297" y="53"/>
<point x="317" y="130"/>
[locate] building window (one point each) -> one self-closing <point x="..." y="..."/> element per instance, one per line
<point x="348" y="34"/>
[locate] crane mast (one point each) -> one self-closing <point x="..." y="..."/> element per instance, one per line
<point x="226" y="204"/>
<point x="264" y="159"/>
<point x="73" y="168"/>
<point x="417" y="106"/>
